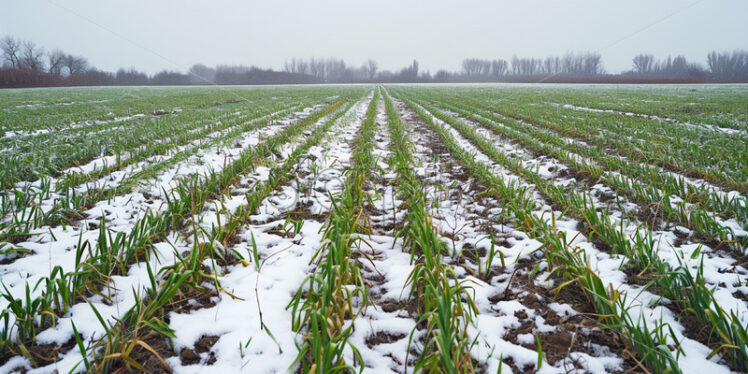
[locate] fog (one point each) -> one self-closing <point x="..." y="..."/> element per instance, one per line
<point x="172" y="34"/>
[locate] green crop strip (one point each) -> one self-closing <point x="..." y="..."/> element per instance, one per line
<point x="726" y="206"/>
<point x="444" y="303"/>
<point x="640" y="249"/>
<point x="697" y="219"/>
<point x="326" y="298"/>
<point x="114" y="253"/>
<point x="566" y="261"/>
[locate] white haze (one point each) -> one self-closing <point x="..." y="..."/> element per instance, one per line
<point x="155" y="35"/>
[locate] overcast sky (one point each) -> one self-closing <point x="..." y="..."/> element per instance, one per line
<point x="152" y="35"/>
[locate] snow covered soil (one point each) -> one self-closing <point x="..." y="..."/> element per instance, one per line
<point x="513" y="308"/>
<point x="716" y="266"/>
<point x="255" y="255"/>
<point x="56" y="246"/>
<point x="259" y="321"/>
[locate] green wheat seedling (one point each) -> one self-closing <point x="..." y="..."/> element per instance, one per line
<point x="568" y="264"/>
<point x="728" y="336"/>
<point x="444" y="304"/>
<point x="336" y="291"/>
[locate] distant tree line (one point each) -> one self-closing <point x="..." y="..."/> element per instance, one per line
<point x="24" y="64"/>
<point x="570" y="64"/>
<point x="726" y="66"/>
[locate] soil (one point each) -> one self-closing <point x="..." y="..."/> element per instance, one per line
<point x="17" y="238"/>
<point x="634" y="277"/>
<point x="575" y="333"/>
<point x="382" y="337"/>
<point x="146" y="358"/>
<point x="694" y="329"/>
<point x="193" y="356"/>
<point x="42" y="354"/>
<point x="557" y="346"/>
<point x="581" y="176"/>
<point x="652" y="215"/>
<point x="190" y="301"/>
<point x="740" y="295"/>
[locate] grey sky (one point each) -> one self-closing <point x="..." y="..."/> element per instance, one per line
<point x="438" y="33"/>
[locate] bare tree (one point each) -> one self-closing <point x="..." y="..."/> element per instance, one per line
<point x="317" y="68"/>
<point x="676" y="67"/>
<point x="54" y="62"/>
<point x="289" y="66"/>
<point x="302" y="67"/>
<point x="583" y="63"/>
<point x="569" y="64"/>
<point x="593" y="63"/>
<point x="485" y="67"/>
<point x="498" y="68"/>
<point x="337" y="71"/>
<point x="371" y="68"/>
<point x="410" y="73"/>
<point x="547" y="66"/>
<point x="442" y="76"/>
<point x="11" y="50"/>
<point x="471" y="67"/>
<point x="32" y="57"/>
<point x="729" y="65"/>
<point x="680" y="65"/>
<point x="526" y="66"/>
<point x="643" y="63"/>
<point x="715" y="62"/>
<point x="75" y="64"/>
<point x="296" y="66"/>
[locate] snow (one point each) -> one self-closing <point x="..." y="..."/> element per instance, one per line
<point x="285" y="263"/>
<point x="607" y="267"/>
<point x="725" y="130"/>
<point x="55" y="246"/>
<point x="252" y="320"/>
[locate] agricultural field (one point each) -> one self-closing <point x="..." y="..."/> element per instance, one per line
<point x="383" y="229"/>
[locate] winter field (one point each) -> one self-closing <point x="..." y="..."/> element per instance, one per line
<point x="319" y="229"/>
